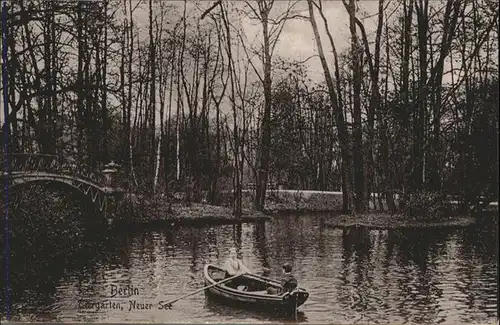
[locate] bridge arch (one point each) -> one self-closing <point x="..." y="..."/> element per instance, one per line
<point x="92" y="194"/>
<point x="22" y="169"/>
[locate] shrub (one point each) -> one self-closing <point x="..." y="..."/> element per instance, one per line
<point x="426" y="204"/>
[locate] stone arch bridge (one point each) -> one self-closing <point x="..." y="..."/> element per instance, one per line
<point x="99" y="188"/>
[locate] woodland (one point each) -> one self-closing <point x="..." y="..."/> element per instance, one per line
<point x="185" y="95"/>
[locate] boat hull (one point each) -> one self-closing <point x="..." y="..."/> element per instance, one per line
<point x="257" y="300"/>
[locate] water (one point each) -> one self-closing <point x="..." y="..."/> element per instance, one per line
<point x="363" y="276"/>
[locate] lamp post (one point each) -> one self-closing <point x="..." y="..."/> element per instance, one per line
<point x="110" y="172"/>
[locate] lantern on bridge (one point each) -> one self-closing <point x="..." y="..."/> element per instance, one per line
<point x="110" y="172"/>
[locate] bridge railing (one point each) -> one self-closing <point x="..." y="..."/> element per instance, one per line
<point x="24" y="162"/>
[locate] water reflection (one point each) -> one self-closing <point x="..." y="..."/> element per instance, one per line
<point x="230" y="314"/>
<point x="261" y="243"/>
<point x="353" y="275"/>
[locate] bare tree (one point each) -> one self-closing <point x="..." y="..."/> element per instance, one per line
<point x="338" y="112"/>
<point x="261" y="10"/>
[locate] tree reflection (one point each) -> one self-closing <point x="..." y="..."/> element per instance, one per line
<point x="481" y="241"/>
<point x="479" y="245"/>
<point x="356" y="244"/>
<point x="261" y="243"/>
<point x="37" y="269"/>
<point x="416" y="254"/>
<point x="356" y="241"/>
<point x="321" y="240"/>
<point x="237" y="235"/>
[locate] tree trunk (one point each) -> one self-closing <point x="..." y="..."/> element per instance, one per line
<point x="129" y="100"/>
<point x="384" y="141"/>
<point x="260" y="195"/>
<point x="339" y="116"/>
<point x="104" y="100"/>
<point x="360" y="203"/>
<point x="419" y="125"/>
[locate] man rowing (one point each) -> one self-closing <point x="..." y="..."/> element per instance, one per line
<point x="288" y="282"/>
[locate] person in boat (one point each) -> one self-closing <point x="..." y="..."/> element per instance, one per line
<point x="288" y="281"/>
<point x="234" y="265"/>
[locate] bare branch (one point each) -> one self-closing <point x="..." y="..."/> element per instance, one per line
<point x="248" y="56"/>
<point x="206" y="12"/>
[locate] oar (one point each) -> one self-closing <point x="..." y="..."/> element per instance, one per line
<point x="169" y="303"/>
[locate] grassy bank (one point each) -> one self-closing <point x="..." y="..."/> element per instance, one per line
<point x="162" y="212"/>
<point x="381" y="220"/>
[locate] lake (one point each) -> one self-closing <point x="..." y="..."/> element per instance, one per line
<point x="357" y="276"/>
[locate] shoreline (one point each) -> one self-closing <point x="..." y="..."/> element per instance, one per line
<point x="197" y="215"/>
<point x="141" y="212"/>
<point x="166" y="214"/>
<point x="382" y="221"/>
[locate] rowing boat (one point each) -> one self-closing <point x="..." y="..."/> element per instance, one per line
<point x="250" y="291"/>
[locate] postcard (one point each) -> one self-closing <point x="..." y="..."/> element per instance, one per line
<point x="260" y="161"/>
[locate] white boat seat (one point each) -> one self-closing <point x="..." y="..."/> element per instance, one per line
<point x="260" y="292"/>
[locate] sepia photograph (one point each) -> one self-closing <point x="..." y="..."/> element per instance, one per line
<point x="249" y="161"/>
